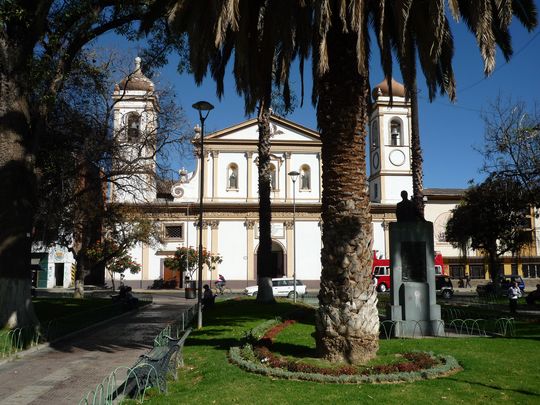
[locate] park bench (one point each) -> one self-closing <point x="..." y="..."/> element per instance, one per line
<point x="152" y="368"/>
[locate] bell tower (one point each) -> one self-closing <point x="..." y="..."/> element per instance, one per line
<point x="135" y="126"/>
<point x="389" y="144"/>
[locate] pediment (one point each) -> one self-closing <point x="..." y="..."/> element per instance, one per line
<point x="282" y="131"/>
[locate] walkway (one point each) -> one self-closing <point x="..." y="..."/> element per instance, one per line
<point x="63" y="373"/>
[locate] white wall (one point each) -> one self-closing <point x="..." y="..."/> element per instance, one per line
<point x="233" y="248"/>
<point x="308" y="250"/>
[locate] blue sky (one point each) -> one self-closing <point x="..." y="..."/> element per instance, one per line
<point x="449" y="132"/>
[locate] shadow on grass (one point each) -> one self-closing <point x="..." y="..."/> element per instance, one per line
<point x="290" y="349"/>
<point x="494" y="387"/>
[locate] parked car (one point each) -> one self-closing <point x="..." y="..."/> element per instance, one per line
<point x="444" y="287"/>
<point x="281" y="287"/>
<point x="504" y="282"/>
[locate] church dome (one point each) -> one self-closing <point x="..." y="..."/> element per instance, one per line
<point x="398" y="90"/>
<point x="136" y="80"/>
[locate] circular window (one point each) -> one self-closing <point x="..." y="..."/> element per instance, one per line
<point x="397" y="157"/>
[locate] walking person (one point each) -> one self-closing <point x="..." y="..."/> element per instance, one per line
<point x="513" y="294"/>
<point x="468" y="281"/>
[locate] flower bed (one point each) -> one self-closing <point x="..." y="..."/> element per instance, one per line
<point x="257" y="357"/>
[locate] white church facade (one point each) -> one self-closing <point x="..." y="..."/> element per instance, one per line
<point x="230" y="224"/>
<point x="230" y="220"/>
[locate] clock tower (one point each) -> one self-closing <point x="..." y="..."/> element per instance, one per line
<point x="389" y="144"/>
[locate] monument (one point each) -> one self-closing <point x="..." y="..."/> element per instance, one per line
<point x="413" y="297"/>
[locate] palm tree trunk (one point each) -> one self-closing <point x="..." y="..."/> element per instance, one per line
<point x="347" y="323"/>
<point x="17" y="195"/>
<point x="416" y="150"/>
<point x="264" y="252"/>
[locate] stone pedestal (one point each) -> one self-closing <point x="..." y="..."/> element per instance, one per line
<point x="413" y="301"/>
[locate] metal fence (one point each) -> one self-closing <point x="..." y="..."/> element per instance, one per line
<point x="134" y="382"/>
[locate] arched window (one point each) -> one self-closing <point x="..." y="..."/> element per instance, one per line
<point x="374" y="134"/>
<point x="133" y="127"/>
<point x="232" y="176"/>
<point x="395" y="133"/>
<point x="305" y="178"/>
<point x="273" y="176"/>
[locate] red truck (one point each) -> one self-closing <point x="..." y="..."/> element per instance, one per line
<point x="381" y="270"/>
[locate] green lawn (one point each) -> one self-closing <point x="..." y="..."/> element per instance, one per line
<point x="496" y="370"/>
<point x="59" y="316"/>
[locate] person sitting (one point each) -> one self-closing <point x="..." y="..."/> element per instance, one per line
<point x="207" y="298"/>
<point x="130" y="299"/>
<point x="533" y="296"/>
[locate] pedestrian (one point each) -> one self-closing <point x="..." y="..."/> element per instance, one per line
<point x="513" y="294"/>
<point x="468" y="281"/>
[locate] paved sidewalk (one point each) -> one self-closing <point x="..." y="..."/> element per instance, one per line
<point x="65" y="372"/>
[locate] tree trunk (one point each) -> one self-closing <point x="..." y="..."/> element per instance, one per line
<point x="347" y="323"/>
<point x="416" y="154"/>
<point x="264" y="252"/>
<point x="416" y="150"/>
<point x="17" y="195"/>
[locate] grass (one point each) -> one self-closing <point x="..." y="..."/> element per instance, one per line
<point x="60" y="316"/>
<point x="496" y="370"/>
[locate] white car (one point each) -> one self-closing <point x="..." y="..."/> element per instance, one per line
<point x="281" y="287"/>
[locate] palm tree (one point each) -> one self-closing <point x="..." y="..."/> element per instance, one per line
<point x="268" y="34"/>
<point x="265" y="293"/>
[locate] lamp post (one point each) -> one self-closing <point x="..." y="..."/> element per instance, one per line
<point x="204" y="108"/>
<point x="294" y="176"/>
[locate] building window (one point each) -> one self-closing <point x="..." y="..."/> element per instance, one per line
<point x="232" y="177"/>
<point x="375" y="191"/>
<point x="133" y="127"/>
<point x="305" y="178"/>
<point x="374" y="135"/>
<point x="395" y="133"/>
<point x="273" y="177"/>
<point x="457" y="271"/>
<point x="174" y="231"/>
<point x="477" y="271"/>
<point x="531" y="270"/>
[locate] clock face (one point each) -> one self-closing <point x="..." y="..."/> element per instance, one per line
<point x="177" y="191"/>
<point x="397" y="157"/>
<point x="375" y="160"/>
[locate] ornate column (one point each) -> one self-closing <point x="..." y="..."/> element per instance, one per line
<point x="250" y="252"/>
<point x="145" y="265"/>
<point x="249" y="162"/>
<point x="385" y="224"/>
<point x="205" y="224"/>
<point x="206" y="182"/>
<point x="215" y="160"/>
<point x="289" y="237"/>
<point x="214" y="241"/>
<point x="287" y="156"/>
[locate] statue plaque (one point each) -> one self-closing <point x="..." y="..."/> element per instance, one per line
<point x="413" y="261"/>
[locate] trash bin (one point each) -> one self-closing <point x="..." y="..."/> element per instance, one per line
<point x="191" y="287"/>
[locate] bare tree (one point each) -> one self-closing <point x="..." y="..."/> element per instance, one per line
<point x="512" y="143"/>
<point x="95" y="157"/>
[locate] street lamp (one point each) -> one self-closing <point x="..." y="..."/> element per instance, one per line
<point x="204" y="108"/>
<point x="294" y="176"/>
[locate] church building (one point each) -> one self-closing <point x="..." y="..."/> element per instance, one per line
<point x="230" y="224"/>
